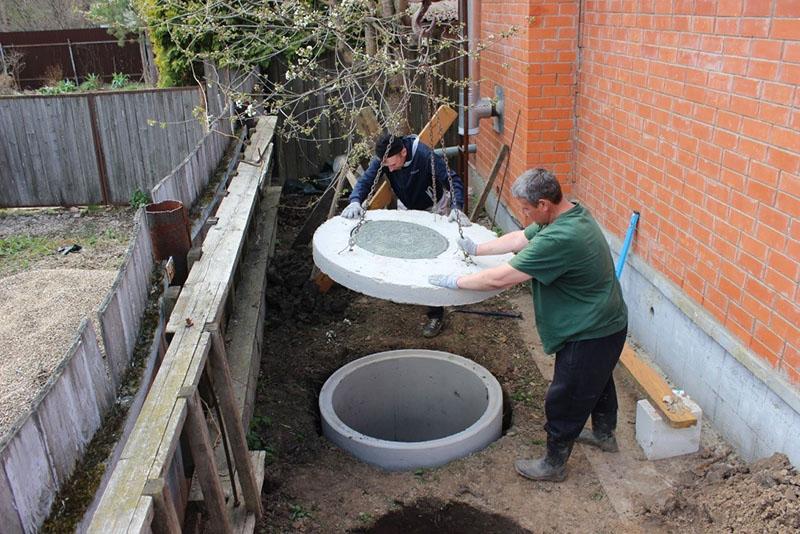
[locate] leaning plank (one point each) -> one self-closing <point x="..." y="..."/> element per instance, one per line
<point x="242" y="521"/>
<point x="498" y="162"/>
<point x="657" y="389"/>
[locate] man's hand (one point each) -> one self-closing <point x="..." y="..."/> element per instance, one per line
<point x="469" y="246"/>
<point x="450" y="281"/>
<point x="353" y="211"/>
<point x="457" y="214"/>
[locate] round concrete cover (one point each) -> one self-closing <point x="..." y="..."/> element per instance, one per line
<point x="395" y="253"/>
<point x="405" y="409"/>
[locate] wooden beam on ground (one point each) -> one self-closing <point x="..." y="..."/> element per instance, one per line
<point x="657" y="389"/>
<point x="431" y="134"/>
<point x="498" y="162"/>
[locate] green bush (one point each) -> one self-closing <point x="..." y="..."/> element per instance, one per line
<point x="119" y="80"/>
<point x="139" y="198"/>
<point x="93" y="82"/>
<point x="64" y="86"/>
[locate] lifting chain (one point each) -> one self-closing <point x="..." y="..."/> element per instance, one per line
<point x="453" y="205"/>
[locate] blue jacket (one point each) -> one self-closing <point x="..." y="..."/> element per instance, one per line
<point x="412" y="182"/>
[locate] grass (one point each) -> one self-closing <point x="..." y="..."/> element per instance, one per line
<point x="22" y="252"/>
<point x="18" y="252"/>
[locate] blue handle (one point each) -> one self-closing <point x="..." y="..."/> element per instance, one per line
<point x="627" y="244"/>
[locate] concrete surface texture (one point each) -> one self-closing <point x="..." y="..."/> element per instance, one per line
<point x="396" y="266"/>
<point x="406" y="409"/>
<point x="658" y="440"/>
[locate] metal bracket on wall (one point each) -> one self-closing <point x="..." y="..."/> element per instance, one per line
<point x="498" y="109"/>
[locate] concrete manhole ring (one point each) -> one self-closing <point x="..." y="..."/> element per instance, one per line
<point x="406" y="409"/>
<point x="420" y="245"/>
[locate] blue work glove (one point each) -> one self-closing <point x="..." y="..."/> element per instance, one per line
<point x="450" y="281"/>
<point x="468" y="245"/>
<point x="353" y="211"/>
<point x="460" y="215"/>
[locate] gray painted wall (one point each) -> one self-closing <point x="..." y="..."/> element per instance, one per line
<point x="750" y="404"/>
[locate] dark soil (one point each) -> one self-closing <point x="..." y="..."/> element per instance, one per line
<point x="430" y="515"/>
<point x="312" y="486"/>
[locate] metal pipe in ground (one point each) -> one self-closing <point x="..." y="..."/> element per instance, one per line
<point x="169" y="232"/>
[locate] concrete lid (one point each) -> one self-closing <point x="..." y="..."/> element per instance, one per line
<point x="402" y="280"/>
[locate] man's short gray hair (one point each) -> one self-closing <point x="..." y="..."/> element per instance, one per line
<point x="536" y="184"/>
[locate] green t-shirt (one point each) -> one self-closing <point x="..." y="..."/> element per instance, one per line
<point x="576" y="294"/>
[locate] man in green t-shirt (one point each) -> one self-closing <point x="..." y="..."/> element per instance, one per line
<point x="580" y="314"/>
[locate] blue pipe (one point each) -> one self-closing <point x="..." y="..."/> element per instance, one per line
<point x="627" y="243"/>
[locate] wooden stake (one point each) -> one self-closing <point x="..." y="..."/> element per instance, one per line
<point x="166" y="517"/>
<point x="206" y="467"/>
<point x="223" y="386"/>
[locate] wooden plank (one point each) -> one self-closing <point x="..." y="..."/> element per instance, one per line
<point x="318" y="215"/>
<point x="498" y="162"/>
<point x="430" y="135"/>
<point x="12" y="522"/>
<point x="223" y="386"/>
<point x="25" y="458"/>
<point x="206" y="468"/>
<point x="165" y="514"/>
<point x="657" y="389"/>
<point x="118" y="503"/>
<point x="242" y="521"/>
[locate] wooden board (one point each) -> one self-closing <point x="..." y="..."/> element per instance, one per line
<point x="656" y="388"/>
<point x="498" y="162"/>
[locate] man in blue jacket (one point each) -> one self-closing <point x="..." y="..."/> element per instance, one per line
<point x="407" y="163"/>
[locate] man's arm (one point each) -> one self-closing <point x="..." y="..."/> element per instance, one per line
<point x="444" y="182"/>
<point x="365" y="181"/>
<point x="513" y="242"/>
<point x="500" y="277"/>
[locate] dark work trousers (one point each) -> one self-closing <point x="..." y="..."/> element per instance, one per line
<point x="436" y="312"/>
<point x="583" y="386"/>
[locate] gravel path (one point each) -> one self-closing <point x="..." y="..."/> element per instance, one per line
<point x="41" y="313"/>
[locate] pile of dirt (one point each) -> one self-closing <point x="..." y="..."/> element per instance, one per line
<point x="723" y="494"/>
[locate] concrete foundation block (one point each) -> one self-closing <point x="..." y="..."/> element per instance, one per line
<point x="659" y="440"/>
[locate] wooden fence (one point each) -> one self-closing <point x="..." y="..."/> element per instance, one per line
<point x="299" y="158"/>
<point x="146" y="490"/>
<point x="41" y="449"/>
<point x="186" y="181"/>
<point x="93" y="148"/>
<point x="121" y="312"/>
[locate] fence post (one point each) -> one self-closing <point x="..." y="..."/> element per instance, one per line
<point x="98" y="150"/>
<point x="72" y="60"/>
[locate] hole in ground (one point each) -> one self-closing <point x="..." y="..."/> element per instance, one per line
<point x="431" y="515"/>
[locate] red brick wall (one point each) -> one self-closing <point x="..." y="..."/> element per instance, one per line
<point x="688" y="111"/>
<point x="536" y="69"/>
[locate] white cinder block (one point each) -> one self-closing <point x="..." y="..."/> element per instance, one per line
<point x="659" y="440"/>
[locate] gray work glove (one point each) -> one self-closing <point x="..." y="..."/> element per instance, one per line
<point x="353" y="211"/>
<point x="468" y="245"/>
<point x="460" y="215"/>
<point x="450" y="281"/>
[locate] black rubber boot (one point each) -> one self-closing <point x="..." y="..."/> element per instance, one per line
<point x="551" y="467"/>
<point x="605" y="441"/>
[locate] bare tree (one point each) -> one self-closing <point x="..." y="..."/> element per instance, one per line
<point x="32" y="15"/>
